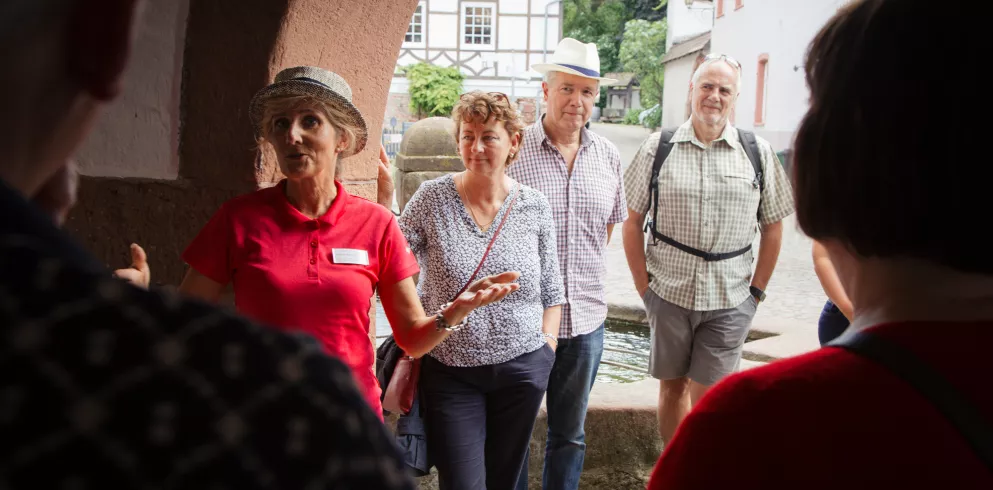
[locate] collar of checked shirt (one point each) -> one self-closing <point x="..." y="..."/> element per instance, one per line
<point x="685" y="133"/>
<point x="584" y="135"/>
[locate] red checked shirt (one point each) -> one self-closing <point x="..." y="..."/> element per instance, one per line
<point x="312" y="275"/>
<point x="583" y="204"/>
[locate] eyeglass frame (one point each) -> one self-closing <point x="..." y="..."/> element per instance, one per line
<point x="726" y="57"/>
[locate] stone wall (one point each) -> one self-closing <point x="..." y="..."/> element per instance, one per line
<point x="427" y="152"/>
<point x="230" y="49"/>
<point x="622" y="439"/>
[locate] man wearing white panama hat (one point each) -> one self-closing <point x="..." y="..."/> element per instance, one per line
<point x="580" y="174"/>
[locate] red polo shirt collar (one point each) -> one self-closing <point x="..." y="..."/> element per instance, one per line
<point x="330" y="217"/>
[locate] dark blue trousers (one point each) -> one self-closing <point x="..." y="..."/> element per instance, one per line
<point x="479" y="419"/>
<point x="831" y="324"/>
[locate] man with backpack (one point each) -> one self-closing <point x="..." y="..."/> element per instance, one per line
<point x="701" y="191"/>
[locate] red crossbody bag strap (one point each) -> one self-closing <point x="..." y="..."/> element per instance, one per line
<point x="496" y="233"/>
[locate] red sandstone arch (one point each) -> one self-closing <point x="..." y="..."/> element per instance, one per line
<point x="233" y="48"/>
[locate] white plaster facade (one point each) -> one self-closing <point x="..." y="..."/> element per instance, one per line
<point x="506" y="38"/>
<point x="675" y="91"/>
<point x="686" y="21"/>
<point x="779" y="31"/>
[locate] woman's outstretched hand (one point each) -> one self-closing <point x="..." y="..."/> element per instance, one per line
<point x="485" y="291"/>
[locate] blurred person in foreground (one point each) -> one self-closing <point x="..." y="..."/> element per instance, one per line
<point x="885" y="182"/>
<point x="106" y="385"/>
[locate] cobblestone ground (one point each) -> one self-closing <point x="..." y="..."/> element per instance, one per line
<point x="794" y="298"/>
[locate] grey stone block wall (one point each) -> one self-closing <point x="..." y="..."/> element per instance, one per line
<point x="428" y="151"/>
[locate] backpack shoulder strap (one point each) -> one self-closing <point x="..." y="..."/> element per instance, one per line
<point x="665" y="147"/>
<point x="751" y="146"/>
<point x="932" y="385"/>
<point x="661" y="153"/>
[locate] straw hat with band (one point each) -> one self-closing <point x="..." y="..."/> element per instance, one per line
<point x="321" y="84"/>
<point x="575" y="58"/>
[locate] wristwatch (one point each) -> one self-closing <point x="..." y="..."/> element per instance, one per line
<point x="757" y="293"/>
<point x="442" y="325"/>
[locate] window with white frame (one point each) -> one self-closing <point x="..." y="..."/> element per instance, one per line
<point x="477" y="25"/>
<point x="415" y="31"/>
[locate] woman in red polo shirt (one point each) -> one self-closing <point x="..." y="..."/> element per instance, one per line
<point x="308" y="256"/>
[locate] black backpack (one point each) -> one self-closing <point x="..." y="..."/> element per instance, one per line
<point x="751" y="146"/>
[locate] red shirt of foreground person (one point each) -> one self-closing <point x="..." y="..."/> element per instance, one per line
<point x="903" y="399"/>
<point x="832" y="420"/>
<point x="311" y="275"/>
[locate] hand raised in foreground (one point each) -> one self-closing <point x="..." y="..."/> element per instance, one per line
<point x="139" y="274"/>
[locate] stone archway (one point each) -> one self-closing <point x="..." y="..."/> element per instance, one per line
<point x="231" y="48"/>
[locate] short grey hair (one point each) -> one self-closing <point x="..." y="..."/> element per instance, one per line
<point x="553" y="74"/>
<point x="708" y="62"/>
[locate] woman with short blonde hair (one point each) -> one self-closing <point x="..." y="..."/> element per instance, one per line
<point x="483" y="385"/>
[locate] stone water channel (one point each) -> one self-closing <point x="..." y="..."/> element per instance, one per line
<point x="625" y="354"/>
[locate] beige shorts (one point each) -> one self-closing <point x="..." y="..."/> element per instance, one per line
<point x="703" y="346"/>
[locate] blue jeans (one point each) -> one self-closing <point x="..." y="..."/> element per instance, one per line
<point x="576" y="363"/>
<point x="831" y="324"/>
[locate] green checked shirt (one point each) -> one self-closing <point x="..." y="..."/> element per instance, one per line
<point x="710" y="200"/>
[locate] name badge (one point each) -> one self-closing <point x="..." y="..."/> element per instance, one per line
<point x="349" y="256"/>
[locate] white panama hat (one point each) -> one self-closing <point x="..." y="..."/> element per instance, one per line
<point x="575" y="58"/>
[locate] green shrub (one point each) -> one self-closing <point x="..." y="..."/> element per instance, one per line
<point x="653" y="117"/>
<point x="632" y="116"/>
<point x="434" y="90"/>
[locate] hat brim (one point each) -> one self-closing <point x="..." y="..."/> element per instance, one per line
<point x="544" y="68"/>
<point x="256" y="108"/>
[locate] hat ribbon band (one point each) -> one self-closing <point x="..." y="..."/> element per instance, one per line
<point x="311" y="80"/>
<point x="584" y="71"/>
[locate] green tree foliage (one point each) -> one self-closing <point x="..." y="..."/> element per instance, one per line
<point x="632" y="116"/>
<point x="434" y="90"/>
<point x="603" y="22"/>
<point x="652" y="117"/>
<point x="641" y="52"/>
<point x="650" y="10"/>
<point x="600" y="22"/>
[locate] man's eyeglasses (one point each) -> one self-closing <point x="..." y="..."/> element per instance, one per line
<point x="718" y="56"/>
